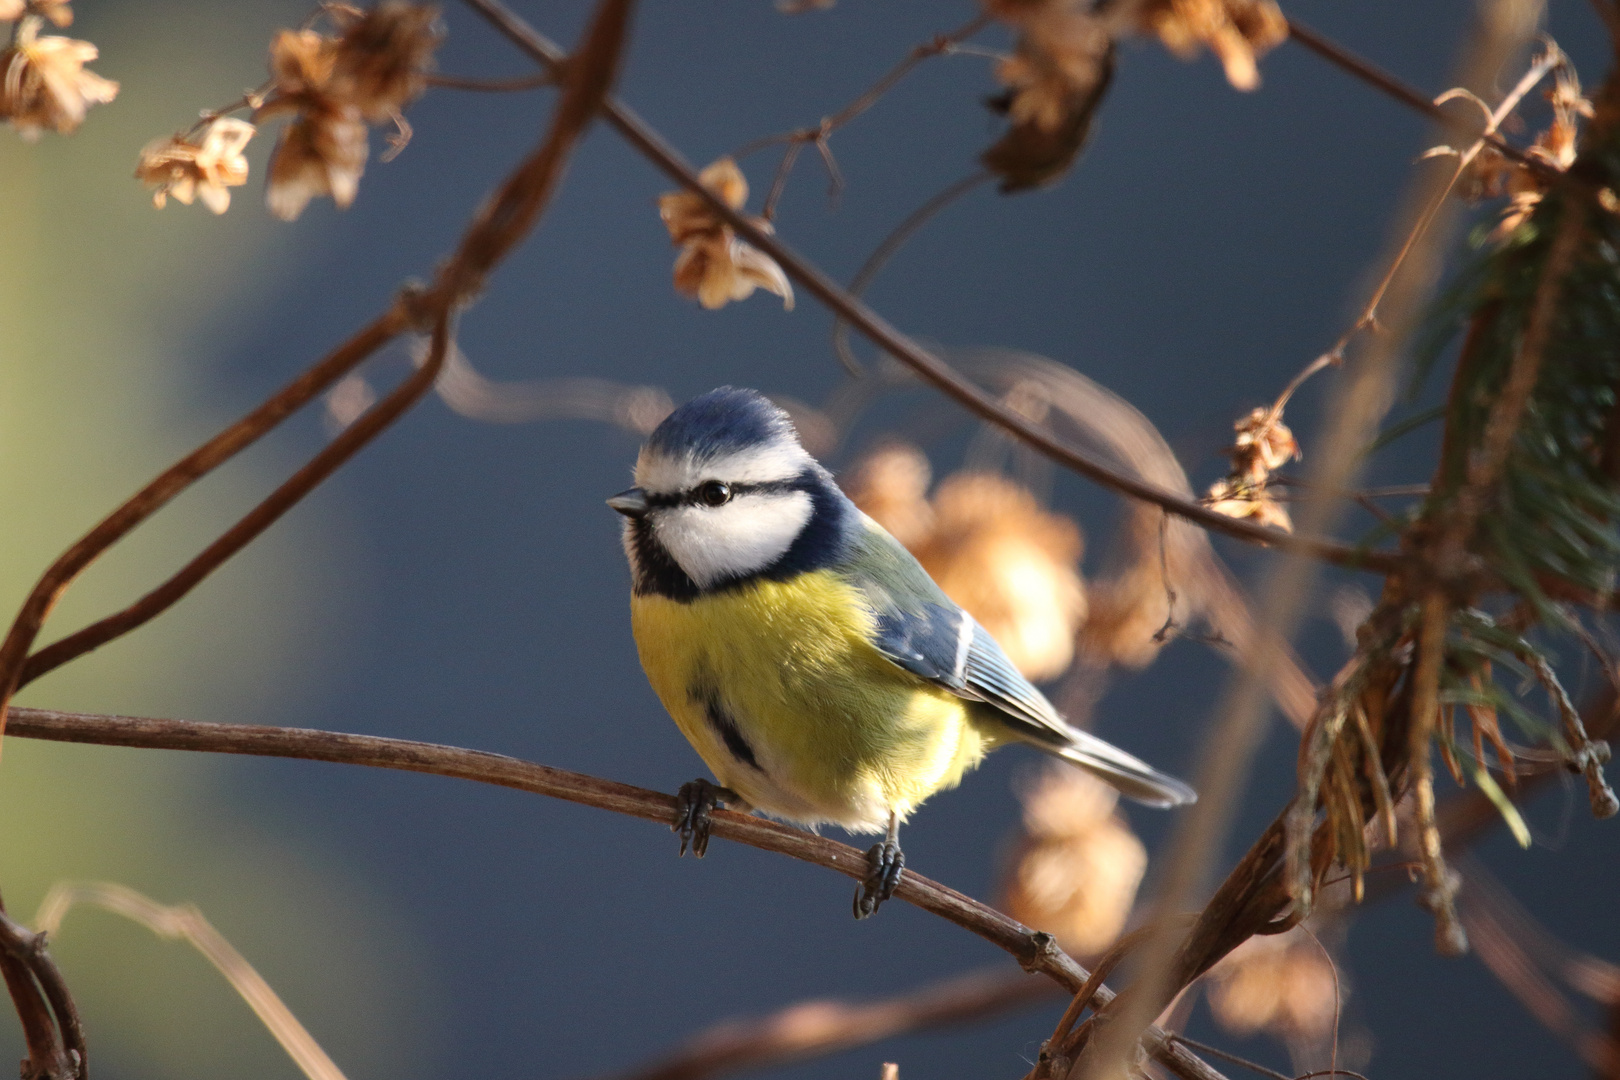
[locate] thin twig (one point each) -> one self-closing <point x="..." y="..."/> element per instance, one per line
<point x="933" y="370"/>
<point x="885" y="251"/>
<point x="332" y="457"/>
<point x="819" y="1027"/>
<point x="187" y="922"/>
<point x="1226" y="1055"/>
<point x="503" y="221"/>
<point x="1407" y="95"/>
<point x="493" y="86"/>
<point x="1035" y="951"/>
<point x="818" y="135"/>
<point x="1368" y="318"/>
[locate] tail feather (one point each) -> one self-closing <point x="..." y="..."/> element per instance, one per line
<point x="1134" y="778"/>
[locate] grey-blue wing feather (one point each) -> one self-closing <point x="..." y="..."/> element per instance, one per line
<point x="923" y="631"/>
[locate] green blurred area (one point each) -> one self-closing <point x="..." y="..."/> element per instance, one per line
<point x="108" y="308"/>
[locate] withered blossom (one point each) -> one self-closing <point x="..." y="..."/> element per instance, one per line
<point x="1077" y="866"/>
<point x="990" y="546"/>
<point x="1056" y="77"/>
<point x="57" y="11"/>
<point x="714" y="266"/>
<point x="1282" y="984"/>
<point x="1238" y="32"/>
<point x="1555" y="147"/>
<point x="44" y="83"/>
<point x="204" y="169"/>
<point x="1263" y="445"/>
<point x="334" y="86"/>
<point x="323" y="152"/>
<point x="383" y="57"/>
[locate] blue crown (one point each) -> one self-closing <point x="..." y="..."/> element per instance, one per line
<point x="720" y="422"/>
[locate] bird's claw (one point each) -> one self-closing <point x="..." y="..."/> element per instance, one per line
<point x="693" y="805"/>
<point x="884" y="865"/>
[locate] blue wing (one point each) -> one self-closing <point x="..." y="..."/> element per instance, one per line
<point x="922" y="630"/>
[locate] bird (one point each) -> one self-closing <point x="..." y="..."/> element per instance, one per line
<point x="806" y="655"/>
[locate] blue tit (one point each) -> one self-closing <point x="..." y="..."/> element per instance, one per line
<point x="806" y="655"/>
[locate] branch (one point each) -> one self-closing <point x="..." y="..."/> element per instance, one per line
<point x="50" y="1020"/>
<point x="499" y="226"/>
<point x="817" y="1028"/>
<point x="1036" y="952"/>
<point x="1374" y="76"/>
<point x="931" y="368"/>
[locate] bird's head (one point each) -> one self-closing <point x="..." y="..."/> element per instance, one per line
<point x="724" y="492"/>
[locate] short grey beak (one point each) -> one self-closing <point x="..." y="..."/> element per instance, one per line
<point x="632" y="503"/>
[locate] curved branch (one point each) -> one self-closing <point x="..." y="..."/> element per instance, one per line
<point x="931" y="368"/>
<point x="503" y="221"/>
<point x="1036" y="952"/>
<point x="50" y="1020"/>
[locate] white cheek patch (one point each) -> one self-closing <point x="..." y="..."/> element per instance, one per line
<point x="744" y="536"/>
<point x="665" y="475"/>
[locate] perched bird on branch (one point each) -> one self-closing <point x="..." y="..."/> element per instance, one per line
<point x="806" y="655"/>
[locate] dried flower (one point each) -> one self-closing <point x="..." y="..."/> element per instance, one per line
<point x="1554" y="146"/>
<point x="1054" y="81"/>
<point x="45" y="85"/>
<point x="1236" y="31"/>
<point x="383" y="57"/>
<point x="1264" y="444"/>
<point x="187" y="169"/>
<point x="1077" y="867"/>
<point x="1281" y="983"/>
<point x="713" y="265"/>
<point x="323" y="152"/>
<point x="1238" y="498"/>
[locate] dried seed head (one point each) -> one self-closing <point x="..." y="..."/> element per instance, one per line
<point x="713" y="265"/>
<point x="1238" y="32"/>
<point x="1238" y="498"/>
<point x="43" y="83"/>
<point x="205" y="168"/>
<point x="384" y="56"/>
<point x="322" y="152"/>
<point x="1264" y="444"/>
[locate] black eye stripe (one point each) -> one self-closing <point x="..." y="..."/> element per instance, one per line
<point x="692" y="498"/>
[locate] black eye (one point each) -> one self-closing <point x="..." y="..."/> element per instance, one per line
<point x="714" y="493"/>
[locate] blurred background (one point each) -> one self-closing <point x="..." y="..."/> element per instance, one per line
<point x="461" y="582"/>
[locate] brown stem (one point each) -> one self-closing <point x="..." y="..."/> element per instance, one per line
<point x="498" y="227"/>
<point x="1412" y="98"/>
<point x="256" y="521"/>
<point x="493" y="86"/>
<point x="175" y="479"/>
<point x="930" y="367"/>
<point x="817" y="1028"/>
<point x="50" y="1020"/>
<point x="1036" y="952"/>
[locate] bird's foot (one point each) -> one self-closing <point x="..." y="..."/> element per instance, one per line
<point x="693" y="805"/>
<point x="884" y="865"/>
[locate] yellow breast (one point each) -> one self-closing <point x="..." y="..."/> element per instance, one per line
<point x="823" y="727"/>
